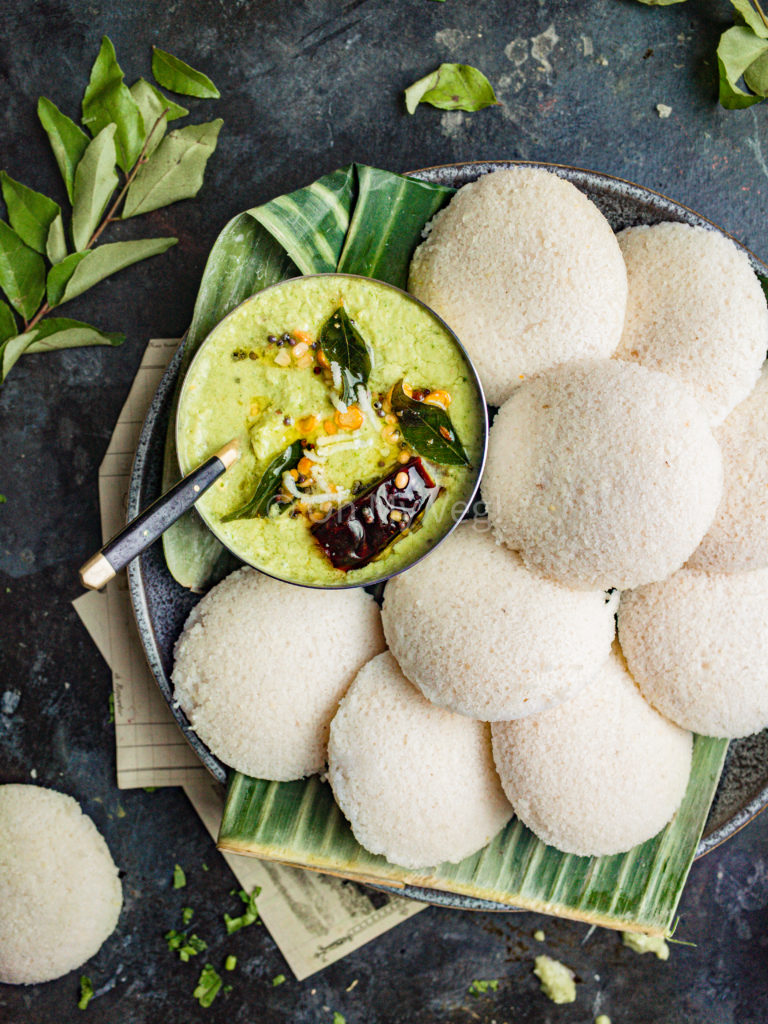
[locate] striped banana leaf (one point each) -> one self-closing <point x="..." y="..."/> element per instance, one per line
<point x="299" y="823"/>
<point x="358" y="220"/>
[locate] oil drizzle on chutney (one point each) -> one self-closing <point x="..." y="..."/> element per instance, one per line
<point x="358" y="532"/>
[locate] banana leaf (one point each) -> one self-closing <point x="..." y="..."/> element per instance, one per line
<point x="357" y="220"/>
<point x="299" y="823"/>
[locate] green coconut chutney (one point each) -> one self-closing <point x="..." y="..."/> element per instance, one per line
<point x="270" y="394"/>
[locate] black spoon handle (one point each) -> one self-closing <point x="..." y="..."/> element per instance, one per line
<point x="155" y="520"/>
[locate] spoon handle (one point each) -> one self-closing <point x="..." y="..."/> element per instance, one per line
<point x="155" y="520"/>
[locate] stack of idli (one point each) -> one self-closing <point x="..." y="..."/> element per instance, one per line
<point x="626" y="474"/>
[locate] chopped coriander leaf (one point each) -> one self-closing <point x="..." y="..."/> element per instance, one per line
<point x="227" y="989"/>
<point x="111" y="705"/>
<point x="186" y="946"/>
<point x="339" y="1019"/>
<point x="251" y="915"/>
<point x="86" y="992"/>
<point x="278" y="979"/>
<point x="3" y="499"/>
<point x="150" y="789"/>
<point x="206" y="868"/>
<point x="179" y="878"/>
<point x="230" y="963"/>
<point x="208" y="985"/>
<point x="482" y="985"/>
<point x="186" y="914"/>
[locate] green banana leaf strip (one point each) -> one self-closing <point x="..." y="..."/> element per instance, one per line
<point x="299" y="823"/>
<point x="269" y="485"/>
<point x="387" y="224"/>
<point x="427" y="429"/>
<point x="342" y="343"/>
<point x="311" y="224"/>
<point x="317" y="229"/>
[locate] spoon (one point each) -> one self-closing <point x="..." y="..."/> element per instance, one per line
<point x="150" y="524"/>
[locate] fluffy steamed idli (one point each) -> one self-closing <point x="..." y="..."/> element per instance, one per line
<point x="696" y="311"/>
<point x="480" y="634"/>
<point x="60" y="896"/>
<point x="602" y="474"/>
<point x="738" y="538"/>
<point x="598" y="774"/>
<point x="697" y="644"/>
<point x="261" y="666"/>
<point x="415" y="781"/>
<point x="528" y="273"/>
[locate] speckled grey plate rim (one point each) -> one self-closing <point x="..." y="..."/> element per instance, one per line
<point x="156" y="597"/>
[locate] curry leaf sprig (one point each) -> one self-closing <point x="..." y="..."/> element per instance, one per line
<point x="125" y="164"/>
<point x="452" y="87"/>
<point x="742" y="55"/>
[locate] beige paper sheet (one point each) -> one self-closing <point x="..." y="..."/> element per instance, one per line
<point x="314" y="919"/>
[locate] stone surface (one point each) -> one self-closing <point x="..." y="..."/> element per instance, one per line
<point x="308" y="86"/>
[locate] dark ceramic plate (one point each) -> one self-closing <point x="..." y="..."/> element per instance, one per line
<point x="161" y="605"/>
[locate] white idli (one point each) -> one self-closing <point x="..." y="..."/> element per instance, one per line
<point x="697" y="644"/>
<point x="602" y="474"/>
<point x="528" y="273"/>
<point x="60" y="895"/>
<point x="737" y="540"/>
<point x="695" y="310"/>
<point x="598" y="774"/>
<point x="480" y="634"/>
<point x="261" y="666"/>
<point x="415" y="781"/>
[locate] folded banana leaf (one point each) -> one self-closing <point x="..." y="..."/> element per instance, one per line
<point x="357" y="220"/>
<point x="299" y="823"/>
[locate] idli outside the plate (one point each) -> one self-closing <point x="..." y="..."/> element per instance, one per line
<point x="598" y="774"/>
<point x="697" y="644"/>
<point x="528" y="273"/>
<point x="261" y="666"/>
<point x="60" y="895"/>
<point x="415" y="781"/>
<point x="480" y="634"/>
<point x="695" y="310"/>
<point x="602" y="474"/>
<point x="737" y="540"/>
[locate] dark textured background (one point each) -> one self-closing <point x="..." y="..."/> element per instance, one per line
<point x="308" y="85"/>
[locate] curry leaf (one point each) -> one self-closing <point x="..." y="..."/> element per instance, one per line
<point x="22" y="272"/>
<point x="59" y="275"/>
<point x="750" y="17"/>
<point x="30" y="213"/>
<point x="756" y="76"/>
<point x="67" y="139"/>
<point x="342" y="344"/>
<point x="452" y="87"/>
<point x="739" y="48"/>
<point x="152" y="112"/>
<point x="175" y="171"/>
<point x="56" y="242"/>
<point x="174" y="74"/>
<point x="427" y="429"/>
<point x="50" y="335"/>
<point x="8" y="328"/>
<point x="108" y="100"/>
<point x="79" y="272"/>
<point x="95" y="181"/>
<point x="175" y="110"/>
<point x="268" y="486"/>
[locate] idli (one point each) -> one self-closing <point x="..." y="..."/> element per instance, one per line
<point x="695" y="310"/>
<point x="261" y="666"/>
<point x="416" y="782"/>
<point x="738" y="538"/>
<point x="528" y="273"/>
<point x="602" y="474"/>
<point x="598" y="774"/>
<point x="697" y="644"/>
<point x="480" y="634"/>
<point x="60" y="895"/>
